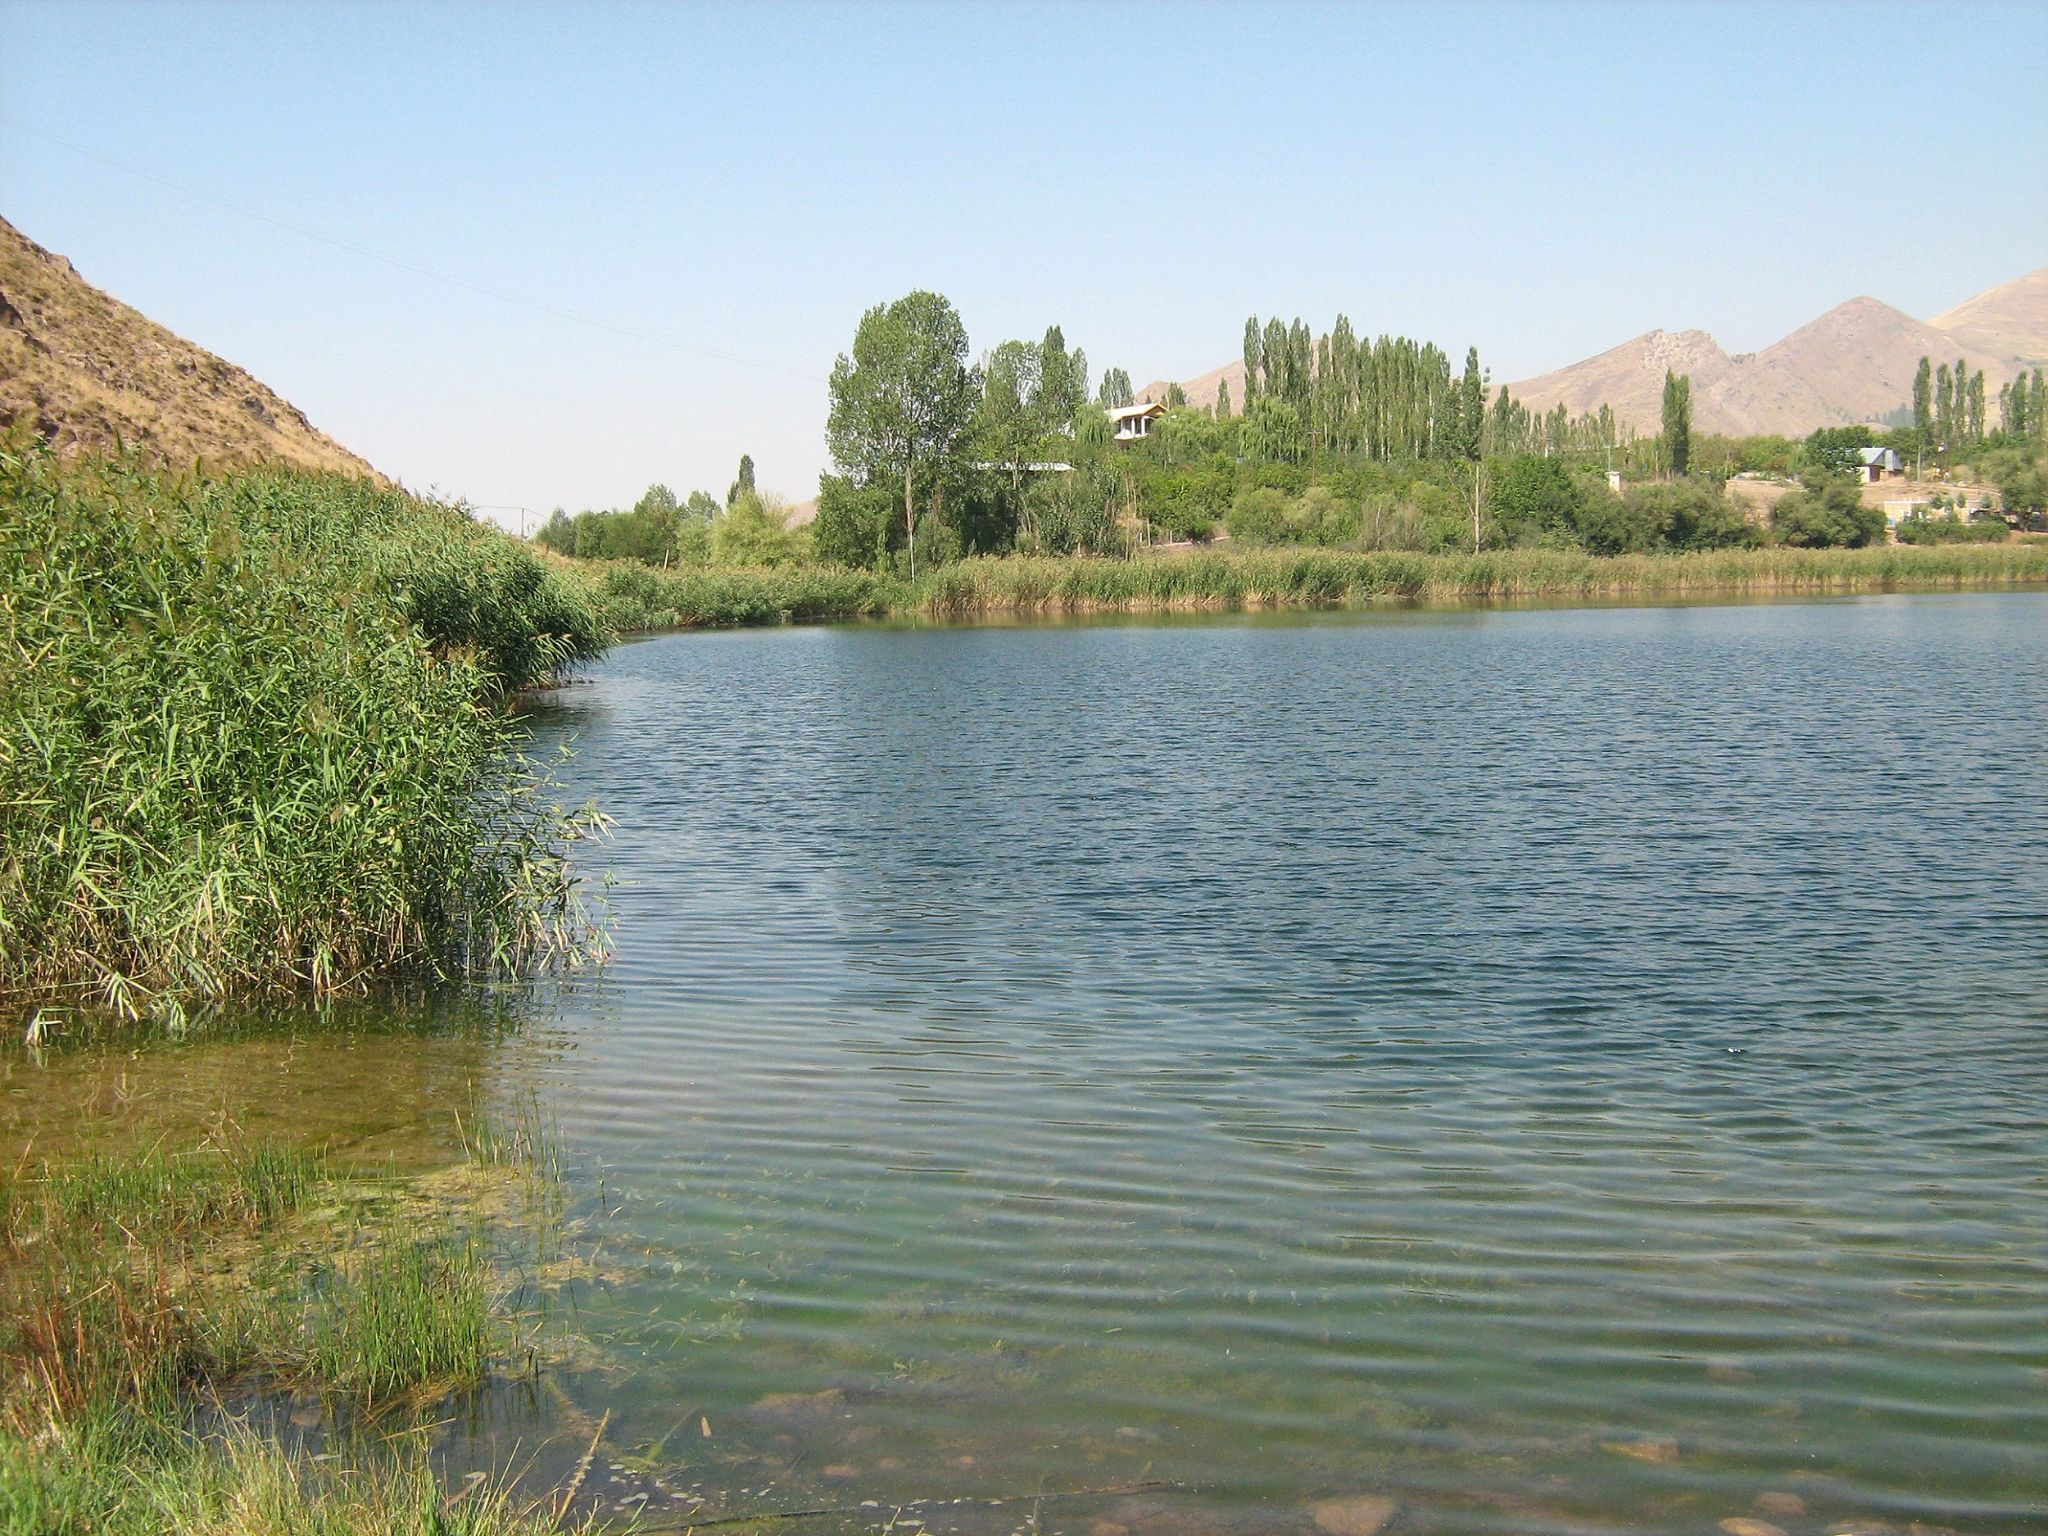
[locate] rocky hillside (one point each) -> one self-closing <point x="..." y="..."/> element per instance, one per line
<point x="1853" y="364"/>
<point x="87" y="372"/>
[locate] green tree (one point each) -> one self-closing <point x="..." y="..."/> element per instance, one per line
<point x="1828" y="512"/>
<point x="1222" y="399"/>
<point x="903" y="401"/>
<point x="1678" y="420"/>
<point x="1175" y="396"/>
<point x="1944" y="409"/>
<point x="1923" y="402"/>
<point x="1116" y="388"/>
<point x="745" y="481"/>
<point x="1471" y="407"/>
<point x="1254" y="358"/>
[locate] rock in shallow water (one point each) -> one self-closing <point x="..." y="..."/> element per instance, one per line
<point x="1742" y="1525"/>
<point x="1365" y="1515"/>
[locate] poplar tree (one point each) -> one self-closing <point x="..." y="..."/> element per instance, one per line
<point x="743" y="484"/>
<point x="1116" y="388"/>
<point x="1471" y="406"/>
<point x="1944" y="408"/>
<point x="1222" y="399"/>
<point x="1678" y="420"/>
<point x="1254" y="358"/>
<point x="1923" y="402"/>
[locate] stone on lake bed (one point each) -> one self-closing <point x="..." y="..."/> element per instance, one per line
<point x="1742" y="1525"/>
<point x="1364" y="1515"/>
<point x="1660" y="1448"/>
<point x="840" y="1470"/>
<point x="1779" y="1503"/>
<point x="1108" y="1528"/>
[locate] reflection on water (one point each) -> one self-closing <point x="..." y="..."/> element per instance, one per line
<point x="1570" y="1070"/>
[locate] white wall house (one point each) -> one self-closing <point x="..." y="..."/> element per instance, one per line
<point x="1129" y="423"/>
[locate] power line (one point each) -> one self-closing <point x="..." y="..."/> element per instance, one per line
<point x="632" y="332"/>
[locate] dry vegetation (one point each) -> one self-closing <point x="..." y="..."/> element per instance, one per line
<point x="89" y="373"/>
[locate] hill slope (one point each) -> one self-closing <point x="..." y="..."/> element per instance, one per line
<point x="2011" y="319"/>
<point x="87" y="372"/>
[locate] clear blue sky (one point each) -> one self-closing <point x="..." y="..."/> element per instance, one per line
<point x="1543" y="181"/>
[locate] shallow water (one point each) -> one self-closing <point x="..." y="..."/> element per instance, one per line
<point x="1568" y="1070"/>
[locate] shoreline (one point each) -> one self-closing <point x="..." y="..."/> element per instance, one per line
<point x="1276" y="580"/>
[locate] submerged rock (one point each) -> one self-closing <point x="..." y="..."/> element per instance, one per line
<point x="1742" y="1525"/>
<point x="1363" y="1515"/>
<point x="1658" y="1448"/>
<point x="1779" y="1503"/>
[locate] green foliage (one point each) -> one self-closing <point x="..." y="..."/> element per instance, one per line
<point x="903" y="400"/>
<point x="1678" y="421"/>
<point x="1116" y="389"/>
<point x="1953" y="530"/>
<point x="245" y="741"/>
<point x="1534" y="497"/>
<point x="1828" y="513"/>
<point x="743" y="483"/>
<point x="753" y="532"/>
<point x="1835" y="450"/>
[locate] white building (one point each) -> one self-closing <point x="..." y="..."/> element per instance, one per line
<point x="1130" y="423"/>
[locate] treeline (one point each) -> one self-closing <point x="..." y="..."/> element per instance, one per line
<point x="1342" y="441"/>
<point x="1949" y="411"/>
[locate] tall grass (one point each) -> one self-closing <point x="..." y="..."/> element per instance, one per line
<point x="636" y="598"/>
<point x="1298" y="578"/>
<point x="248" y="742"/>
<point x="632" y="597"/>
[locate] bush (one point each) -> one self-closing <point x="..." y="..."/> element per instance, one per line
<point x="1953" y="530"/>
<point x="1828" y="513"/>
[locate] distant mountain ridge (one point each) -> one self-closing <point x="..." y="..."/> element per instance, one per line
<point x="88" y="372"/>
<point x="1853" y="364"/>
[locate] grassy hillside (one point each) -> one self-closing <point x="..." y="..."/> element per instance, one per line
<point x="86" y="372"/>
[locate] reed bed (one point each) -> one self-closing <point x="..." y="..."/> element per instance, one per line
<point x="1314" y="578"/>
<point x="249" y="739"/>
<point x="634" y="598"/>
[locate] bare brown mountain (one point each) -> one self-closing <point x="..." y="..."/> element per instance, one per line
<point x="2010" y="320"/>
<point x="89" y="372"/>
<point x="1853" y="364"/>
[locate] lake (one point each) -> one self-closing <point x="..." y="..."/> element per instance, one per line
<point x="1572" y="1070"/>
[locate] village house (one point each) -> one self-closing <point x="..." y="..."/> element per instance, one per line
<point x="1132" y="423"/>
<point x="1879" y="464"/>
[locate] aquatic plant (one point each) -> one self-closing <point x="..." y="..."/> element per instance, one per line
<point x="248" y="742"/>
<point x="142" y="1289"/>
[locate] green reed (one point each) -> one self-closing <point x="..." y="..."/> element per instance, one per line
<point x="1311" y="578"/>
<point x="248" y="739"/>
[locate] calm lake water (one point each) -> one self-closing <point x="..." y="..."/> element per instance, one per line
<point x="1562" y="1070"/>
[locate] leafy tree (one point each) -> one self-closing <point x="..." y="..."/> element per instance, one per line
<point x="1829" y="512"/>
<point x="1222" y="398"/>
<point x="559" y="533"/>
<point x="1944" y="409"/>
<point x="1175" y="396"/>
<point x="702" y="507"/>
<point x="1835" y="450"/>
<point x="1923" y="402"/>
<point x="1534" y="495"/>
<point x="1254" y="358"/>
<point x="744" y="483"/>
<point x="753" y="532"/>
<point x="1471" y="407"/>
<point x="1116" y="388"/>
<point x="1678" y="420"/>
<point x="902" y="402"/>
